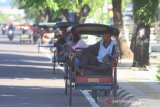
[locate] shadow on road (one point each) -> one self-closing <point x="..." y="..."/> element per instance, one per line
<point x="21" y="66"/>
<point x="20" y="96"/>
<point x="10" y="42"/>
<point x="18" y="51"/>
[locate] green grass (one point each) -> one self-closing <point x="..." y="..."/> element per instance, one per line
<point x="158" y="73"/>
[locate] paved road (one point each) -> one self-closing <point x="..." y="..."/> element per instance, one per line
<point x="26" y="79"/>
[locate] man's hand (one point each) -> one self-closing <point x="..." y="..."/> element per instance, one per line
<point x="106" y="59"/>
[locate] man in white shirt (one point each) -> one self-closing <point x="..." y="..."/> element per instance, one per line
<point x="99" y="55"/>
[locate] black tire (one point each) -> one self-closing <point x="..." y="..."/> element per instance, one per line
<point x="66" y="86"/>
<point x="115" y="86"/>
<point x="70" y="77"/>
<point x="66" y="79"/>
<point x="54" y="63"/>
<point x="107" y="93"/>
<point x="95" y="95"/>
<point x="10" y="38"/>
<point x="70" y="91"/>
<point x="54" y="67"/>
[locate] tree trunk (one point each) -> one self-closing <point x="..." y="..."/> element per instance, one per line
<point x="118" y="22"/>
<point x="80" y="16"/>
<point x="65" y="12"/>
<point x="117" y="13"/>
<point x="140" y="45"/>
<point x="48" y="15"/>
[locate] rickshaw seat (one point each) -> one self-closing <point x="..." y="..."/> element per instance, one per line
<point x="90" y="72"/>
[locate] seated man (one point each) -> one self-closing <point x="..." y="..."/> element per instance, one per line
<point x="46" y="36"/>
<point x="77" y="42"/>
<point x="77" y="45"/>
<point x="60" y="43"/>
<point x="98" y="56"/>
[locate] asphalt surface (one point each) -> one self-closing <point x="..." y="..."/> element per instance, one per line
<point x="26" y="78"/>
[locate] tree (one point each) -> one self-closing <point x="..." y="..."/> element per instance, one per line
<point x="158" y="73"/>
<point x="145" y="12"/>
<point x="81" y="8"/>
<point x="117" y="13"/>
<point x="40" y="10"/>
<point x="118" y="22"/>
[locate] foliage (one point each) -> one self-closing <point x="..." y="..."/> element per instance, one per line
<point x="145" y="11"/>
<point x="35" y="8"/>
<point x="5" y="17"/>
<point x="158" y="72"/>
<point x="76" y="5"/>
<point x="124" y="2"/>
<point x="104" y="16"/>
<point x="57" y="5"/>
<point x="38" y="4"/>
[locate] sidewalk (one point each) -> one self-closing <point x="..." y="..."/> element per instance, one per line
<point x="140" y="83"/>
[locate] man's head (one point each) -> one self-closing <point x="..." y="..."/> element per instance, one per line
<point x="64" y="30"/>
<point x="106" y="36"/>
<point x="58" y="33"/>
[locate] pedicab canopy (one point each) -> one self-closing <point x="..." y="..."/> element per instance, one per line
<point x="89" y="28"/>
<point x="47" y="24"/>
<point x="64" y="24"/>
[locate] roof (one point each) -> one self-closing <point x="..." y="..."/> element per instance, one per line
<point x="47" y="24"/>
<point x="92" y="28"/>
<point x="64" y="24"/>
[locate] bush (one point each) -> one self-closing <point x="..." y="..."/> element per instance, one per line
<point x="158" y="72"/>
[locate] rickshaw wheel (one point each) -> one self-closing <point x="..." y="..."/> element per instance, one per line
<point x="54" y="62"/>
<point x="115" y="88"/>
<point x="95" y="95"/>
<point x="107" y="93"/>
<point x="70" y="77"/>
<point x="54" y="67"/>
<point x="66" y="79"/>
<point x="70" y="93"/>
<point x="66" y="84"/>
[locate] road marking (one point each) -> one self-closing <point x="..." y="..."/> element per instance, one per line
<point x="90" y="99"/>
<point x="85" y="93"/>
